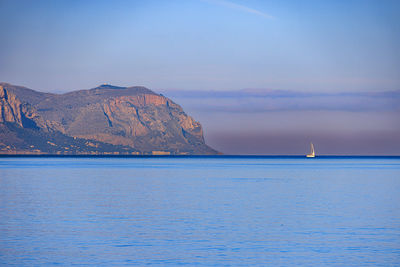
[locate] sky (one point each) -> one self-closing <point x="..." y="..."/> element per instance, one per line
<point x="263" y="77"/>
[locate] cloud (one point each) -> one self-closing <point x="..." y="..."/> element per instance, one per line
<point x="239" y="7"/>
<point x="259" y="101"/>
<point x="269" y="93"/>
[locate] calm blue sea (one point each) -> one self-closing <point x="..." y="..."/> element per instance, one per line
<point x="224" y="211"/>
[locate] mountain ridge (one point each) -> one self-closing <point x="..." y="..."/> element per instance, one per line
<point x="133" y="119"/>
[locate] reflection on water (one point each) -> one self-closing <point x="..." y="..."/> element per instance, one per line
<point x="200" y="211"/>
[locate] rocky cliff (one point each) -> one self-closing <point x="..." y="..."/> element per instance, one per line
<point x="110" y="119"/>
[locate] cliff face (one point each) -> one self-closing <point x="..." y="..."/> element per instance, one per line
<point x="14" y="111"/>
<point x="133" y="118"/>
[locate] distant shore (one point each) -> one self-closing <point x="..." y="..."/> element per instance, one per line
<point x="189" y="156"/>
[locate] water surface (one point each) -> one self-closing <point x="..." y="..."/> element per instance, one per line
<point x="236" y="211"/>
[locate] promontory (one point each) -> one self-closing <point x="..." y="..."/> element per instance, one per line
<point x="104" y="120"/>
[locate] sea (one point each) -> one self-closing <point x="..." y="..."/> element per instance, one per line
<point x="200" y="211"/>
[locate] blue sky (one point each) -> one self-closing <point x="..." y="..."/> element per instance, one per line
<point x="202" y="44"/>
<point x="319" y="47"/>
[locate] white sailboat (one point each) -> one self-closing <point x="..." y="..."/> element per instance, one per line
<point x="312" y="153"/>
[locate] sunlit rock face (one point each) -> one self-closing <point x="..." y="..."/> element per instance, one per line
<point x="135" y="118"/>
<point x="14" y="111"/>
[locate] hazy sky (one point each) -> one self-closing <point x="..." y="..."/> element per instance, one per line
<point x="284" y="122"/>
<point x="202" y="46"/>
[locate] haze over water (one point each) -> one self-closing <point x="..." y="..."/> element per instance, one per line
<point x="200" y="211"/>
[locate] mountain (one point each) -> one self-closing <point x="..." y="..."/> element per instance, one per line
<point x="104" y="120"/>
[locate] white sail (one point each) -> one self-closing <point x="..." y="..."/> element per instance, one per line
<point x="312" y="153"/>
